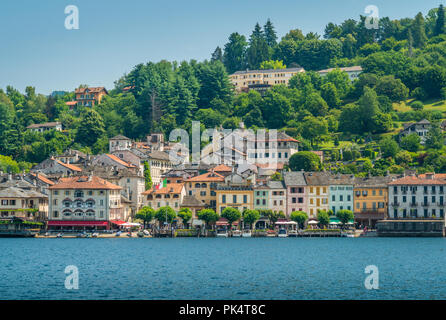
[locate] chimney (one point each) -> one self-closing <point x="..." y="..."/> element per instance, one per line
<point x="430" y="175"/>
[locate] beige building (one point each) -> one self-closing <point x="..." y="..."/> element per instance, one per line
<point x="171" y="195"/>
<point x="257" y="79"/>
<point x="20" y="203"/>
<point x="84" y="202"/>
<point x="317" y="192"/>
<point x="203" y="187"/>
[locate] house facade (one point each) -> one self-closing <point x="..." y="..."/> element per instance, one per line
<point x="171" y="195"/>
<point x="317" y="187"/>
<point x="297" y="192"/>
<point x="421" y="196"/>
<point x="341" y="192"/>
<point x="84" y="202"/>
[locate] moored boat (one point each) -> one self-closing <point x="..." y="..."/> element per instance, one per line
<point x="282" y="233"/>
<point x="247" y="233"/>
<point x="236" y="233"/>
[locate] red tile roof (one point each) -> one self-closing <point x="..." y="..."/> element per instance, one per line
<point x="85" y="182"/>
<point x="69" y="166"/>
<point x="42" y="178"/>
<point x="170" y="188"/>
<point x="90" y="89"/>
<point x="222" y="168"/>
<point x="419" y="180"/>
<point x="120" y="161"/>
<point x="208" y="176"/>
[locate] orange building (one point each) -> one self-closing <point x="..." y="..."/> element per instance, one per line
<point x="89" y="97"/>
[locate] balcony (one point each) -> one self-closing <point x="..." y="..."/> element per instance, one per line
<point x="425" y="204"/>
<point x="414" y="204"/>
<point x="395" y="204"/>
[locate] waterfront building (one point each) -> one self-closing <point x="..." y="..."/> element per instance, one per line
<point x="370" y="199"/>
<point x="171" y="195"/>
<point x="235" y="196"/>
<point x="21" y="203"/>
<point x="261" y="80"/>
<point x="296" y="190"/>
<point x="413" y="197"/>
<point x="341" y="192"/>
<point x="318" y="185"/>
<point x="203" y="187"/>
<point x="271" y="195"/>
<point x="83" y="202"/>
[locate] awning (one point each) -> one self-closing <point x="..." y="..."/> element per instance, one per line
<point x="222" y="222"/>
<point x="117" y="222"/>
<point x="78" y="223"/>
<point x="286" y="222"/>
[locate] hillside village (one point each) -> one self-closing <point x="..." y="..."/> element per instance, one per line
<point x="347" y="128"/>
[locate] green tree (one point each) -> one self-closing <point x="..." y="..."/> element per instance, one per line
<point x="235" y="53"/>
<point x="418" y="30"/>
<point x="147" y="176"/>
<point x="300" y="217"/>
<point x="185" y="214"/>
<point x="305" y="160"/>
<point x="270" y="33"/>
<point x="323" y="218"/>
<point x="91" y="128"/>
<point x="146" y="214"/>
<point x="250" y="216"/>
<point x="165" y="212"/>
<point x="411" y="142"/>
<point x="209" y="216"/>
<point x="272" y="64"/>
<point x="434" y="138"/>
<point x="231" y="214"/>
<point x="389" y="147"/>
<point x="440" y="22"/>
<point x="344" y="216"/>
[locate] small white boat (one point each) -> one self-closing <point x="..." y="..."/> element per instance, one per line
<point x="292" y="233"/>
<point x="247" y="233"/>
<point x="282" y="233"/>
<point x="59" y="235"/>
<point x="146" y="232"/>
<point x="222" y="233"/>
<point x="118" y="234"/>
<point x="236" y="233"/>
<point x="95" y="235"/>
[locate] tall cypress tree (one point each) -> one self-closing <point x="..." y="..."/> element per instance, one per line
<point x="419" y="31"/>
<point x="217" y="55"/>
<point x="439" y="24"/>
<point x="270" y="33"/>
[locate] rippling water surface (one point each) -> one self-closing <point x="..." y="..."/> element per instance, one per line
<point x="237" y="268"/>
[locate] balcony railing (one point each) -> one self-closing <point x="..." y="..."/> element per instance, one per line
<point x="413" y="204"/>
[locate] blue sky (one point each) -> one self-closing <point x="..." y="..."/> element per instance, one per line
<point x="113" y="36"/>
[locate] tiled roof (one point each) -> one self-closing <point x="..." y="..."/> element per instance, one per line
<point x="369" y="182"/>
<point x="119" y="137"/>
<point x="71" y="103"/>
<point x="159" y="155"/>
<point x="43" y="125"/>
<point x="269" y="71"/>
<point x="342" y="179"/>
<point x="170" y="188"/>
<point x="120" y="161"/>
<point x="85" y="182"/>
<point x="13" y="192"/>
<point x="222" y="168"/>
<point x="417" y="180"/>
<point x="42" y="178"/>
<point x="69" y="166"/>
<point x="317" y="178"/>
<point x="346" y="69"/>
<point x="90" y="89"/>
<point x="294" y="178"/>
<point x="191" y="201"/>
<point x="208" y="176"/>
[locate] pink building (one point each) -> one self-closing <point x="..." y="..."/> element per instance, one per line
<point x="297" y="194"/>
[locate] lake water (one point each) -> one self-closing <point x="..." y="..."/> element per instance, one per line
<point x="215" y="268"/>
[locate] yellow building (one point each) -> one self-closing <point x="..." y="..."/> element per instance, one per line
<point x="203" y="187"/>
<point x="370" y="199"/>
<point x="244" y="80"/>
<point x="317" y="192"/>
<point x="239" y="197"/>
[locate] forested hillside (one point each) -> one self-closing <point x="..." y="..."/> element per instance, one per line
<point x="403" y="80"/>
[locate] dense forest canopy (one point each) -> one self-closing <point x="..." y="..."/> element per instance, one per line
<point x="403" y="61"/>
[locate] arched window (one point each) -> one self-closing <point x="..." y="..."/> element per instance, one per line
<point x="197" y="185"/>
